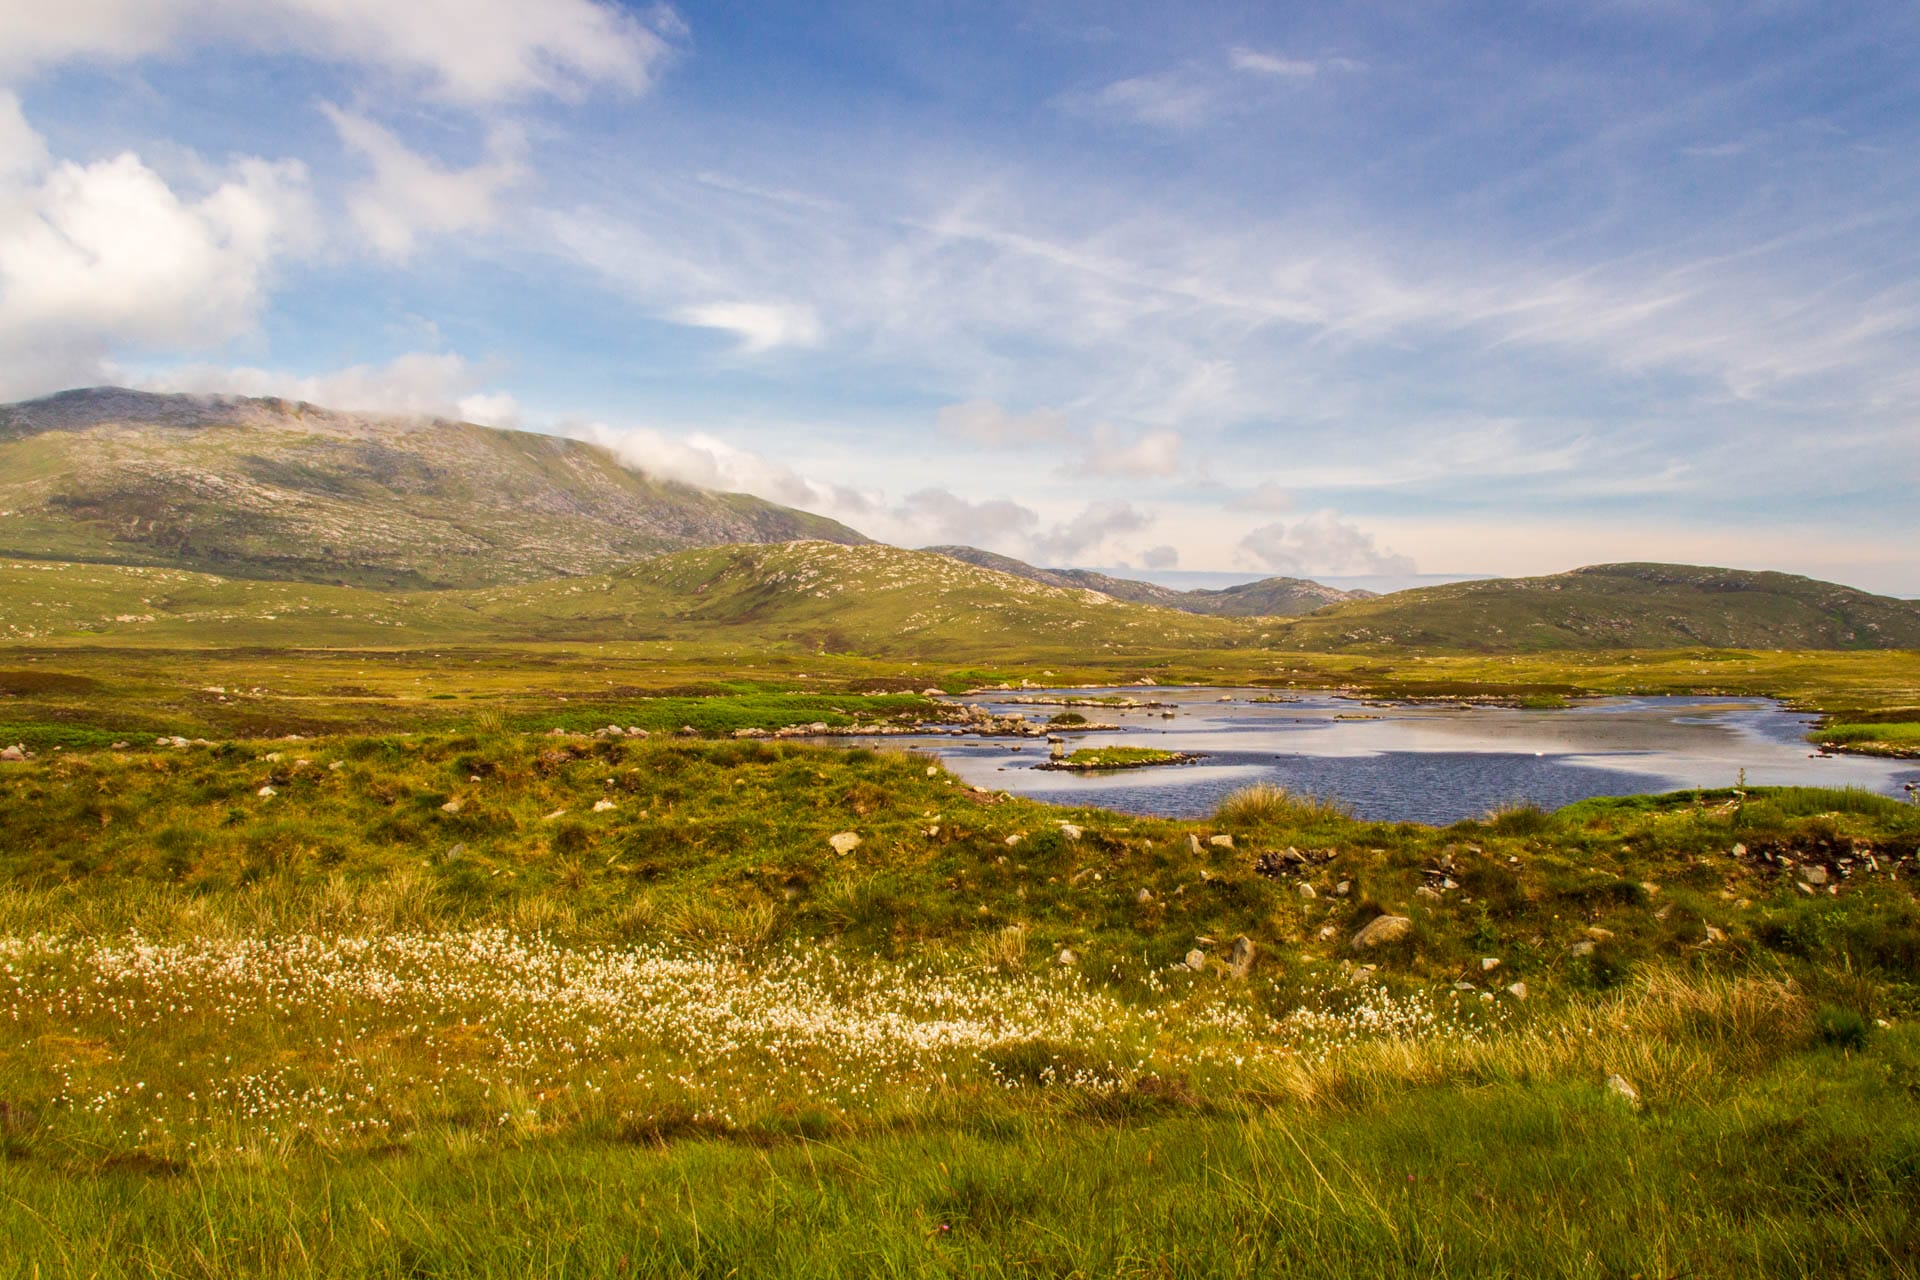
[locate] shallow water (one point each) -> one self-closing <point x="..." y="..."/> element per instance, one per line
<point x="1422" y="763"/>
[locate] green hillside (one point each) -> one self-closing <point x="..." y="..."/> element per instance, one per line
<point x="1267" y="598"/>
<point x="1619" y="606"/>
<point x="257" y="488"/>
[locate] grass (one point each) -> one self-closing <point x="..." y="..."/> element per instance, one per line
<point x="344" y="1029"/>
<point x="1119" y="758"/>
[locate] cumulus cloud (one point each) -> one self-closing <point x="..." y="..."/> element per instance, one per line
<point x="1086" y="535"/>
<point x="1161" y="557"/>
<point x="101" y="255"/>
<point x="467" y="51"/>
<point x="426" y="383"/>
<point x="711" y="463"/>
<point x="942" y="516"/>
<point x="409" y="195"/>
<point x="1111" y="452"/>
<point x="760" y="326"/>
<point x="1268" y="495"/>
<point x="984" y="422"/>
<point x="1322" y="543"/>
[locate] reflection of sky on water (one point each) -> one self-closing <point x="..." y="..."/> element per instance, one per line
<point x="1418" y="763"/>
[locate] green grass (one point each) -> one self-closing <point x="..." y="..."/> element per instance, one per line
<point x="344" y="1030"/>
<point x="1119" y="757"/>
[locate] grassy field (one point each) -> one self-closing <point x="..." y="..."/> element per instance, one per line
<point x="489" y="1002"/>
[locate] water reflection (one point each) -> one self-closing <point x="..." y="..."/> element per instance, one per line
<point x="1420" y="763"/>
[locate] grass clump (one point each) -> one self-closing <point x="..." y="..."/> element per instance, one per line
<point x="1266" y="805"/>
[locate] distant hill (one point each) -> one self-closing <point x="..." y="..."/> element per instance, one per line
<point x="1268" y="598"/>
<point x="267" y="488"/>
<point x="1620" y="606"/>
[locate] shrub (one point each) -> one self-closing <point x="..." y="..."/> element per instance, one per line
<point x="1840" y="1028"/>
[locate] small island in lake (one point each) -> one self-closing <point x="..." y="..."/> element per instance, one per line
<point x="1088" y="758"/>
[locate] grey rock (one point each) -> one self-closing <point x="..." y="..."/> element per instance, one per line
<point x="1518" y="990"/>
<point x="1584" y="947"/>
<point x="1382" y="931"/>
<point x="1066" y="959"/>
<point x="1618" y="1086"/>
<point x="1814" y="874"/>
<point x="1307" y="890"/>
<point x="15" y="752"/>
<point x="1240" y="959"/>
<point x="1196" y="960"/>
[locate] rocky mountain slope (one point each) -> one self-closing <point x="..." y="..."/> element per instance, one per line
<point x="266" y="488"/>
<point x="1620" y="606"/>
<point x="1270" y="597"/>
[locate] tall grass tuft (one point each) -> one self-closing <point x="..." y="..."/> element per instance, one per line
<point x="1266" y="805"/>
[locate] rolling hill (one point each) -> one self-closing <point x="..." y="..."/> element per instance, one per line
<point x="265" y="488"/>
<point x="1619" y="606"/>
<point x="1267" y="598"/>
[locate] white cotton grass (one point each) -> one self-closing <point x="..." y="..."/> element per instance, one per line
<point x="227" y="1046"/>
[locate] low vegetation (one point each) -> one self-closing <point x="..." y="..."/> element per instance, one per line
<point x="491" y="1002"/>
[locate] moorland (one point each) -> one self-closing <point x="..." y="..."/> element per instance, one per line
<point x="389" y="907"/>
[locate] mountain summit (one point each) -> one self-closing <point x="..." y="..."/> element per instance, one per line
<point x="270" y="488"/>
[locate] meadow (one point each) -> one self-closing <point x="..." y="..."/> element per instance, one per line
<point x="482" y="1000"/>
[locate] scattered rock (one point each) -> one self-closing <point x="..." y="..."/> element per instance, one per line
<point x="1584" y="947"/>
<point x="456" y="851"/>
<point x="1489" y="963"/>
<point x="15" y="752"/>
<point x="1715" y="935"/>
<point x="1070" y="831"/>
<point x="451" y="806"/>
<point x="1066" y="959"/>
<point x="844" y="842"/>
<point x="1428" y="892"/>
<point x="1307" y="890"/>
<point x="601" y="806"/>
<point x="1381" y="931"/>
<point x="1618" y="1086"/>
<point x="1193" y="843"/>
<point x="266" y="793"/>
<point x="1518" y="990"/>
<point x="1342" y="889"/>
<point x="1240" y="959"/>
<point x="1143" y="897"/>
<point x="1327" y="931"/>
<point x="933" y="771"/>
<point x="1221" y="842"/>
<point x="1739" y="851"/>
<point x="557" y="813"/>
<point x="1597" y="934"/>
<point x="1014" y="839"/>
<point x="1196" y="960"/>
<point x="1814" y="874"/>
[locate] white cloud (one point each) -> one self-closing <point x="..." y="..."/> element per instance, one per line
<point x="701" y="459"/>
<point x="1166" y="100"/>
<point x="939" y="516"/>
<point x="1322" y="543"/>
<point x="1088" y="537"/>
<point x="1259" y="62"/>
<point x="984" y="422"/>
<point x="1271" y="64"/>
<point x="101" y="255"/>
<point x="410" y="195"/>
<point x="23" y="152"/>
<point x="1161" y="557"/>
<point x="760" y="326"/>
<point x="1268" y="495"/>
<point x="1110" y="452"/>
<point x="425" y="383"/>
<point x="467" y="51"/>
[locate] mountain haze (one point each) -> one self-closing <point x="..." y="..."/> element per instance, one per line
<point x="272" y="488"/>
<point x="1267" y="598"/>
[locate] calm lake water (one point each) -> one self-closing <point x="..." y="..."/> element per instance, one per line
<point x="1433" y="764"/>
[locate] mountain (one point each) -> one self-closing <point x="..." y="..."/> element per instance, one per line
<point x="1620" y="606"/>
<point x="268" y="488"/>
<point x="1268" y="598"/>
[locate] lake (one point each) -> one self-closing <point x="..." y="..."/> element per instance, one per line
<point x="1421" y="763"/>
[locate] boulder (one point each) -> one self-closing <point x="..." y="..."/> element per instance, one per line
<point x="1382" y="931"/>
<point x="1196" y="960"/>
<point x="1813" y="873"/>
<point x="14" y="752"/>
<point x="1240" y="959"/>
<point x="1221" y="842"/>
<point x="844" y="842"/>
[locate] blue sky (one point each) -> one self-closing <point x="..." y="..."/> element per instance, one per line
<point x="1336" y="290"/>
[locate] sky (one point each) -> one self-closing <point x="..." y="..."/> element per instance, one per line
<point x="1369" y="291"/>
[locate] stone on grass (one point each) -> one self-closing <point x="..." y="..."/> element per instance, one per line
<point x="1196" y="960"/>
<point x="1307" y="890"/>
<point x="1240" y="959"/>
<point x="1489" y="963"/>
<point x="844" y="842"/>
<point x="601" y="806"/>
<point x="1381" y="931"/>
<point x="1067" y="959"/>
<point x="1070" y="831"/>
<point x="1518" y="990"/>
<point x="451" y="806"/>
<point x="1584" y="947"/>
<point x="1193" y="843"/>
<point x="1143" y="897"/>
<point x="1813" y="873"/>
<point x="14" y="752"/>
<point x="1618" y="1086"/>
<point x="1221" y="842"/>
<point x="266" y="793"/>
